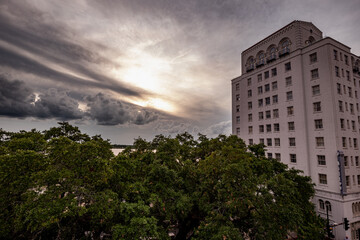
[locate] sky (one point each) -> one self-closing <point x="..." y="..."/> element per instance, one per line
<point x="138" y="68"/>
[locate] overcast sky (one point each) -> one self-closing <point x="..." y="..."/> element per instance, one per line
<point x="136" y="68"/>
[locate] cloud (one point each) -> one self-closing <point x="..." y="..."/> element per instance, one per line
<point x="218" y="128"/>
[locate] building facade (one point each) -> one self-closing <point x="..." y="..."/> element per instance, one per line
<point x="299" y="94"/>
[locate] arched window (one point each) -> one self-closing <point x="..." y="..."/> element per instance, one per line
<point x="260" y="59"/>
<point x="321" y="205"/>
<point x="284" y="47"/>
<point x="328" y="206"/>
<point x="271" y="52"/>
<point x="250" y="64"/>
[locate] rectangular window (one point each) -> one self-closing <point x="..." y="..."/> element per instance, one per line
<point x="249" y="105"/>
<point x="346" y="60"/>
<point x="273" y="72"/>
<point x="350" y="92"/>
<point x="315" y="90"/>
<point x="261" y="140"/>
<point x="353" y="126"/>
<point x="251" y="142"/>
<point x="268" y="114"/>
<point x="313" y="58"/>
<point x="275" y="113"/>
<point x="268" y="127"/>
<point x="314" y="73"/>
<point x="321" y="160"/>
<point x="278" y="156"/>
<point x="237" y="108"/>
<point x="337" y="73"/>
<point x="347" y="180"/>
<point x="351" y="108"/>
<point x="335" y="55"/>
<point x="238" y="119"/>
<point x="274" y="86"/>
<point x="250" y="117"/>
<point x="342" y="124"/>
<point x="266" y="75"/>
<point x="344" y="142"/>
<point x="318" y="124"/>
<point x="348" y="75"/>
<point x="355" y="143"/>
<point x="259" y="77"/>
<point x="290" y="111"/>
<point x="287" y="66"/>
<point x="261" y="128"/>
<point x="261" y="115"/>
<point x="277" y="142"/>
<point x="269" y="155"/>
<point x="237" y="97"/>
<point x="292" y="142"/>
<point x="260" y="90"/>
<point x="322" y="178"/>
<point x="276" y="127"/>
<point x="289" y="96"/>
<point x="346" y="163"/>
<point x="237" y="86"/>
<point x="357" y="161"/>
<point x="293" y="158"/>
<point x="249" y="93"/>
<point x="250" y="129"/>
<point x="338" y="87"/>
<point x="288" y="81"/>
<point x="291" y="126"/>
<point x="260" y="102"/>
<point x="249" y="82"/>
<point x="320" y="142"/>
<point x="341" y="108"/>
<point x="269" y="142"/>
<point x="267" y="101"/>
<point x="237" y="131"/>
<point x="275" y="99"/>
<point x="267" y="87"/>
<point x="317" y="106"/>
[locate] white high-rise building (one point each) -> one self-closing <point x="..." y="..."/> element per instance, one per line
<point x="299" y="94"/>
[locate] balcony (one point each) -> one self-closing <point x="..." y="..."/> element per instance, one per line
<point x="271" y="58"/>
<point x="260" y="63"/>
<point x="250" y="68"/>
<point x="284" y="52"/>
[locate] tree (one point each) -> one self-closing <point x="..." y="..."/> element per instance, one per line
<point x="63" y="184"/>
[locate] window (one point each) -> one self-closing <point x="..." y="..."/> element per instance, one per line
<point x="260" y="102"/>
<point x="357" y="161"/>
<point x="259" y="77"/>
<point x="292" y="142"/>
<point x="274" y="86"/>
<point x="314" y="73"/>
<point x="261" y="128"/>
<point x="290" y="111"/>
<point x="287" y="66"/>
<point x="288" y="81"/>
<point x="237" y="86"/>
<point x="249" y="105"/>
<point x="276" y="127"/>
<point x="261" y="140"/>
<point x="267" y="87"/>
<point x="344" y="89"/>
<point x="267" y="101"/>
<point x="317" y="106"/>
<point x="273" y="72"/>
<point x="321" y="204"/>
<point x="350" y="91"/>
<point x="251" y="142"/>
<point x="249" y="82"/>
<point x="277" y="142"/>
<point x="335" y="55"/>
<point x="237" y="97"/>
<point x="291" y="126"/>
<point x="250" y="117"/>
<point x="337" y="71"/>
<point x="346" y="60"/>
<point x="338" y="87"/>
<point x="347" y="180"/>
<point x="250" y="129"/>
<point x="342" y="124"/>
<point x="278" y="156"/>
<point x="321" y="160"/>
<point x="268" y="114"/>
<point x="266" y="75"/>
<point x="348" y="75"/>
<point x="275" y="113"/>
<point x="249" y="93"/>
<point x="269" y="142"/>
<point x="353" y="126"/>
<point x="319" y="141"/>
<point x="351" y="108"/>
<point x="238" y="119"/>
<point x="355" y="143"/>
<point x="268" y="127"/>
<point x="315" y="90"/>
<point x="261" y="115"/>
<point x="260" y="90"/>
<point x="289" y="96"/>
<point x="341" y="108"/>
<point x="269" y="155"/>
<point x="344" y="142"/>
<point x="345" y="161"/>
<point x="322" y="178"/>
<point x="237" y="131"/>
<point x="313" y="57"/>
<point x="293" y="158"/>
<point x="318" y="124"/>
<point x="237" y="108"/>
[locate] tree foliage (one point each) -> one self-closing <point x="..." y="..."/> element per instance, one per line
<point x="63" y="184"/>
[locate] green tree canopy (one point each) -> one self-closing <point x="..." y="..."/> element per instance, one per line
<point x="63" y="184"/>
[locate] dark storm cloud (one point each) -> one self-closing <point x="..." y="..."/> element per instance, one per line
<point x="19" y="101"/>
